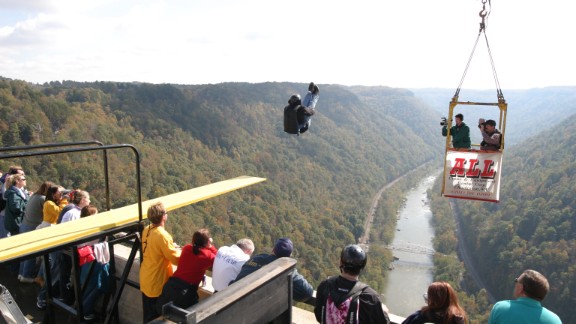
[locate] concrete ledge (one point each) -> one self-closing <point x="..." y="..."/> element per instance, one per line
<point x="130" y="305"/>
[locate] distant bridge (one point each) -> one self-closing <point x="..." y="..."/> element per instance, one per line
<point x="411" y="248"/>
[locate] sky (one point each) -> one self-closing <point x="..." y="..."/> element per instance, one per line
<point x="395" y="43"/>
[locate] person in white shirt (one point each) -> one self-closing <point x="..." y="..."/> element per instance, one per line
<point x="81" y="199"/>
<point x="228" y="262"/>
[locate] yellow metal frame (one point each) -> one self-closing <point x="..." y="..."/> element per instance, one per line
<point x="502" y="106"/>
<point x="61" y="234"/>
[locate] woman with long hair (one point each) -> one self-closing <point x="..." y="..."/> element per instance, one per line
<point x="53" y="205"/>
<point x="34" y="213"/>
<point x="442" y="307"/>
<point x="195" y="259"/>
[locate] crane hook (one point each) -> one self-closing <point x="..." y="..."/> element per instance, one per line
<point x="483" y="13"/>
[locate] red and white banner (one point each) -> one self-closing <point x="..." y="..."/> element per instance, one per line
<point x="473" y="175"/>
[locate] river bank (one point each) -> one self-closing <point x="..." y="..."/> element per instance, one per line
<point x="411" y="272"/>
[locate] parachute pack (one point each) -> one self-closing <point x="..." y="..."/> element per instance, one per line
<point x="348" y="310"/>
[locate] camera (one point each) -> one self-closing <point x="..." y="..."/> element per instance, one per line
<point x="443" y="121"/>
<point x="481" y="122"/>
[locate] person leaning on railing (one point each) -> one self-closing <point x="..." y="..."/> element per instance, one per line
<point x="301" y="289"/>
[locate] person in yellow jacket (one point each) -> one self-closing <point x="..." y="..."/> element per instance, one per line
<point x="53" y="204"/>
<point x="158" y="255"/>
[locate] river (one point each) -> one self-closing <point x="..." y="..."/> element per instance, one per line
<point x="412" y="273"/>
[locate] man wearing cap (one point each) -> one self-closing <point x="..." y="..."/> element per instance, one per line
<point x="491" y="137"/>
<point x="530" y="288"/>
<point x="301" y="289"/>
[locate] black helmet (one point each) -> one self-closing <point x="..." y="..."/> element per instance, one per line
<point x="353" y="258"/>
<point x="294" y="99"/>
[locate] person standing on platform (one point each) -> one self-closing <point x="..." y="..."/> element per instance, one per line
<point x="159" y="254"/>
<point x="32" y="218"/>
<point x="460" y="133"/>
<point x="344" y="298"/>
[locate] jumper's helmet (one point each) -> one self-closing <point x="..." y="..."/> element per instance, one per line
<point x="353" y="258"/>
<point x="294" y="99"/>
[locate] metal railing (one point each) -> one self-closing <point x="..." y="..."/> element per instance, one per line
<point x="131" y="231"/>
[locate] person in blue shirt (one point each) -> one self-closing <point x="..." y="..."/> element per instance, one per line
<point x="530" y="288"/>
<point x="301" y="289"/>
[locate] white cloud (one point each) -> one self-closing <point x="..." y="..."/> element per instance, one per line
<point x="413" y="43"/>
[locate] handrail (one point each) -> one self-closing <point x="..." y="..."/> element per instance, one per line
<point x="66" y="144"/>
<point x="83" y="149"/>
<point x="34" y="150"/>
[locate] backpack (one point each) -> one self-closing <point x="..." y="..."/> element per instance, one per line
<point x="347" y="312"/>
<point x="291" y="120"/>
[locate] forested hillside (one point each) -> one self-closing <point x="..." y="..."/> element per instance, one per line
<point x="534" y="225"/>
<point x="319" y="184"/>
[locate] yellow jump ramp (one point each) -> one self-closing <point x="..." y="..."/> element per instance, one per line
<point x="54" y="236"/>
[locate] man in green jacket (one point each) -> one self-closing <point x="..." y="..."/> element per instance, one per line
<point x="460" y="133"/>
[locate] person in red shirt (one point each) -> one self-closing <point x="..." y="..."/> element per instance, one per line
<point x="196" y="258"/>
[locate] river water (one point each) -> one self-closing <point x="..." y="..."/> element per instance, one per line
<point x="412" y="272"/>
